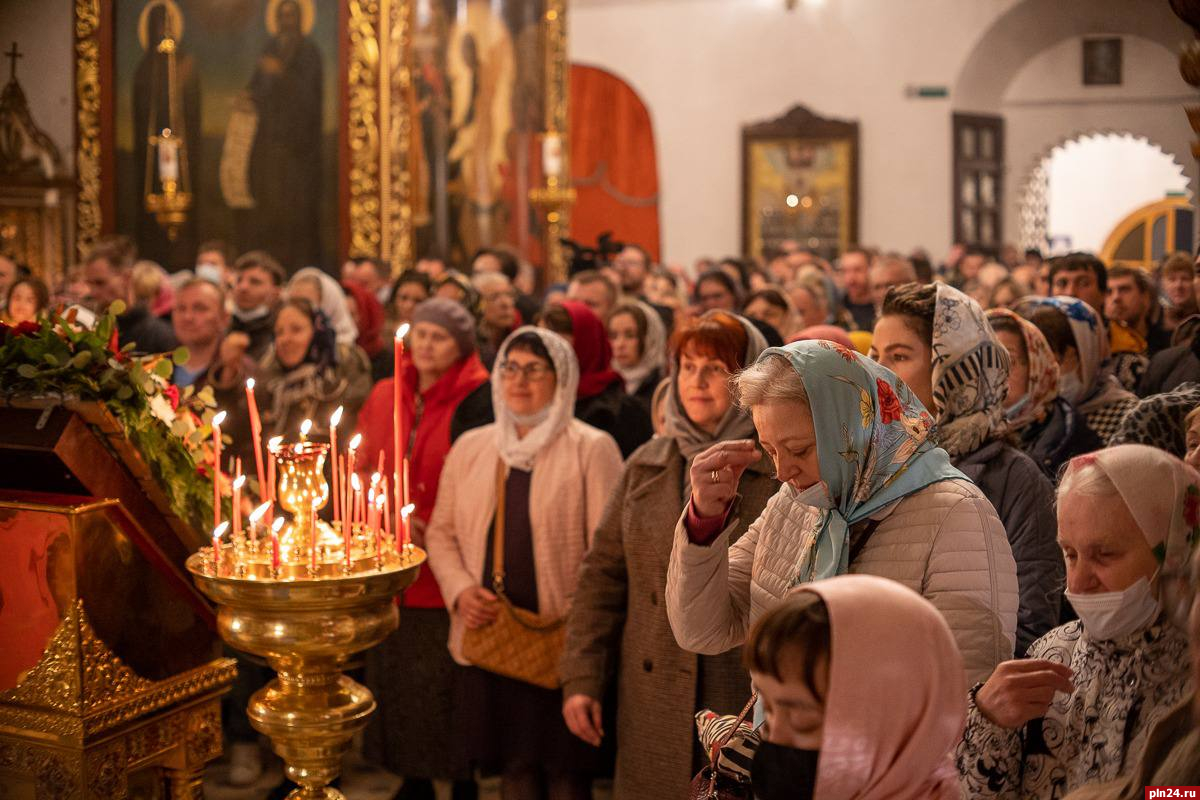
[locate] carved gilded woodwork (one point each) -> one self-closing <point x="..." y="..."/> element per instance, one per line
<point x="88" y="216"/>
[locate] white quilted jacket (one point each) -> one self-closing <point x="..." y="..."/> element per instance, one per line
<point x="944" y="541"/>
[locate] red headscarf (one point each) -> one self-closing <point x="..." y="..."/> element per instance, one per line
<point x="370" y="318"/>
<point x="592" y="349"/>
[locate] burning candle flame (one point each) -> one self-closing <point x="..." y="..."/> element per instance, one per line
<point x="305" y="427"/>
<point x="250" y="384"/>
<point x="239" y="482"/>
<point x="355" y="483"/>
<point x="379" y="498"/>
<point x="219" y="531"/>
<point x="218" y="419"/>
<point x="258" y="513"/>
<point x="277" y="524"/>
<point x="336" y="419"/>
<point x="356" y="441"/>
<point x="407" y="510"/>
<point x="375" y="479"/>
<point x="273" y="443"/>
<point x="402" y="331"/>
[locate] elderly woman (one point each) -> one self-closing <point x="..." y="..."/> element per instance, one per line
<point x="439" y="370"/>
<point x="1079" y="341"/>
<point x="325" y="294"/>
<point x="618" y="635"/>
<point x="531" y="486"/>
<point x="862" y="686"/>
<point x="939" y="342"/>
<point x="306" y="373"/>
<point x="866" y="490"/>
<point x="1051" y="431"/>
<point x="1080" y="708"/>
<point x="639" y="347"/>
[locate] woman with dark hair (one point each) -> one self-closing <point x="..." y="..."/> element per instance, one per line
<point x="619" y="642"/>
<point x="827" y="660"/>
<point x="602" y="402"/>
<point x="531" y="485"/>
<point x="28" y="299"/>
<point x="939" y="342"/>
<point x="772" y="307"/>
<point x="307" y="373"/>
<point x="1051" y="430"/>
<point x="716" y="291"/>
<point x="639" y="344"/>
<point x="440" y="369"/>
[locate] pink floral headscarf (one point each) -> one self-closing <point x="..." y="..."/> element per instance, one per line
<point x="1042" y="386"/>
<point x="1161" y="492"/>
<point x="896" y="705"/>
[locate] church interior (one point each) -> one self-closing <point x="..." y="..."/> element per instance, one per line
<point x="369" y="369"/>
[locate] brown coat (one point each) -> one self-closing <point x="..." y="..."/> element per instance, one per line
<point x="619" y="621"/>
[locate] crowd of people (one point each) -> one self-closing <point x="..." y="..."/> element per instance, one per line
<point x="931" y="527"/>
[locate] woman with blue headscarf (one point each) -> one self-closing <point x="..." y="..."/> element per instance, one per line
<point x="865" y="490"/>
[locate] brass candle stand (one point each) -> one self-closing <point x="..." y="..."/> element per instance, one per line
<point x="307" y="607"/>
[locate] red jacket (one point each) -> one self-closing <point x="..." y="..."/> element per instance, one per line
<point x="427" y="449"/>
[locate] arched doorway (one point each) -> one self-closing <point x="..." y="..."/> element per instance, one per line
<point x="1082" y="188"/>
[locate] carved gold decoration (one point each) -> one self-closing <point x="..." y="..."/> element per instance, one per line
<point x="87" y="120"/>
<point x="362" y="126"/>
<point x="556" y="197"/>
<point x="397" y="89"/>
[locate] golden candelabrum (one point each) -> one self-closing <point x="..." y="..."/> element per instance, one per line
<point x="307" y="601"/>
<point x="166" y="155"/>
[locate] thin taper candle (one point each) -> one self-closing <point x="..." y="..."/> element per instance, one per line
<point x="218" y="532"/>
<point x="399" y="445"/>
<point x="334" y="420"/>
<point x="256" y="435"/>
<point x="238" y="483"/>
<point x="217" y="419"/>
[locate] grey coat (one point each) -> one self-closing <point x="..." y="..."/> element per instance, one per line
<point x="618" y="628"/>
<point x="1024" y="501"/>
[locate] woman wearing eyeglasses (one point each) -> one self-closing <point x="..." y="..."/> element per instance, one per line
<point x="528" y="489"/>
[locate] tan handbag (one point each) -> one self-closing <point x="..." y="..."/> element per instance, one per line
<point x="520" y="644"/>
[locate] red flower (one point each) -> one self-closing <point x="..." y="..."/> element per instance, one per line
<point x="113" y="342"/>
<point x="846" y="354"/>
<point x="889" y="404"/>
<point x="172" y="394"/>
<point x="27" y="328"/>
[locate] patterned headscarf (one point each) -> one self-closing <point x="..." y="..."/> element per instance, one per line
<point x="1098" y="387"/>
<point x="970" y="373"/>
<point x="1161" y="492"/>
<point x="1041" y="389"/>
<point x="1158" y="420"/>
<point x="873" y="446"/>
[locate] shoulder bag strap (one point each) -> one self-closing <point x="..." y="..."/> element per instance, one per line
<point x="717" y="747"/>
<point x="498" y="531"/>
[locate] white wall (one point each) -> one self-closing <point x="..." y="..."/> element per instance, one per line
<point x="44" y="31"/>
<point x="707" y="67"/>
<point x="1047" y="104"/>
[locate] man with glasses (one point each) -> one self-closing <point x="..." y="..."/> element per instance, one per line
<point x="498" y="313"/>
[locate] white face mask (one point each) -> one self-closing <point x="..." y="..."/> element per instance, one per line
<point x="258" y="312"/>
<point x="1115" y="615"/>
<point x="1070" y="387"/>
<point x="816" y="496"/>
<point x="208" y="271"/>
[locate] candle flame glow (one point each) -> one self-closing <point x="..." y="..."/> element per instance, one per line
<point x="239" y="482"/>
<point x="336" y="419"/>
<point x="277" y="524"/>
<point x="407" y="510"/>
<point x="250" y="384"/>
<point x="375" y="479"/>
<point x="219" y="531"/>
<point x="402" y="331"/>
<point x="258" y="513"/>
<point x="355" y="483"/>
<point x="356" y="441"/>
<point x="305" y="427"/>
<point x="273" y="443"/>
<point x="218" y="419"/>
<point x="379" y="498"/>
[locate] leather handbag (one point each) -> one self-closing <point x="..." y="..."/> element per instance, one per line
<point x="713" y="784"/>
<point x="520" y="644"/>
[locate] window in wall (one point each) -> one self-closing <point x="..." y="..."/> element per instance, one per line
<point x="979" y="181"/>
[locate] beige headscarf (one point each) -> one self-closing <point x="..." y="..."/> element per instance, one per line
<point x="518" y="452"/>
<point x="896" y="705"/>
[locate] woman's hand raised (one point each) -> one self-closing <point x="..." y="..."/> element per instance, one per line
<point x="716" y="472"/>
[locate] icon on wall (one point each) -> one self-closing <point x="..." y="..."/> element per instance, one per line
<point x="1102" y="62"/>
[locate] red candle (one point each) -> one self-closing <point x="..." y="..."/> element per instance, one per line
<point x="217" y="419"/>
<point x="377" y="513"/>
<point x="256" y="435"/>
<point x="275" y="526"/>
<point x="356" y="486"/>
<point x="238" y="483"/>
<point x="387" y="511"/>
<point x="334" y="421"/>
<point x="218" y="532"/>
<point x="406" y="522"/>
<point x="351" y="464"/>
<point x="399" y="443"/>
<point x="272" y="448"/>
<point x="256" y="517"/>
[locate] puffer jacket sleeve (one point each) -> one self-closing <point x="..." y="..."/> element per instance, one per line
<point x="708" y="586"/>
<point x="597" y="616"/>
<point x="988" y="757"/>
<point x="972" y="580"/>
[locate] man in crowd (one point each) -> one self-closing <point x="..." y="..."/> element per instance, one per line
<point x="1132" y="301"/>
<point x="106" y="271"/>
<point x="1175" y="276"/>
<point x="593" y="290"/>
<point x="434" y="265"/>
<point x="498" y="315"/>
<point x="373" y="274"/>
<point x="886" y="272"/>
<point x="633" y="264"/>
<point x="968" y="268"/>
<point x="499" y="259"/>
<point x="212" y="263"/>
<point x="1080" y="275"/>
<point x="853" y="270"/>
<point x="257" y="288"/>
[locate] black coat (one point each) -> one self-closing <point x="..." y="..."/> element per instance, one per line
<point x="148" y="333"/>
<point x="1171" y="367"/>
<point x="1061" y="436"/>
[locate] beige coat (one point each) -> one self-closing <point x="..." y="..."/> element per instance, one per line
<point x="618" y="633"/>
<point x="573" y="477"/>
<point x="944" y="541"/>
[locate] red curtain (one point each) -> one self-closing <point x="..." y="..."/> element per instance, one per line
<point x="613" y="164"/>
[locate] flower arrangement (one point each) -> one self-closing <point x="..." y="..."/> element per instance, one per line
<point x="54" y="357"/>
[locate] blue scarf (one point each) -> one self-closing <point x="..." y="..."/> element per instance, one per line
<point x="873" y="446"/>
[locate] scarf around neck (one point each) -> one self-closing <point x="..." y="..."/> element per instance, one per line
<point x="520" y="453"/>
